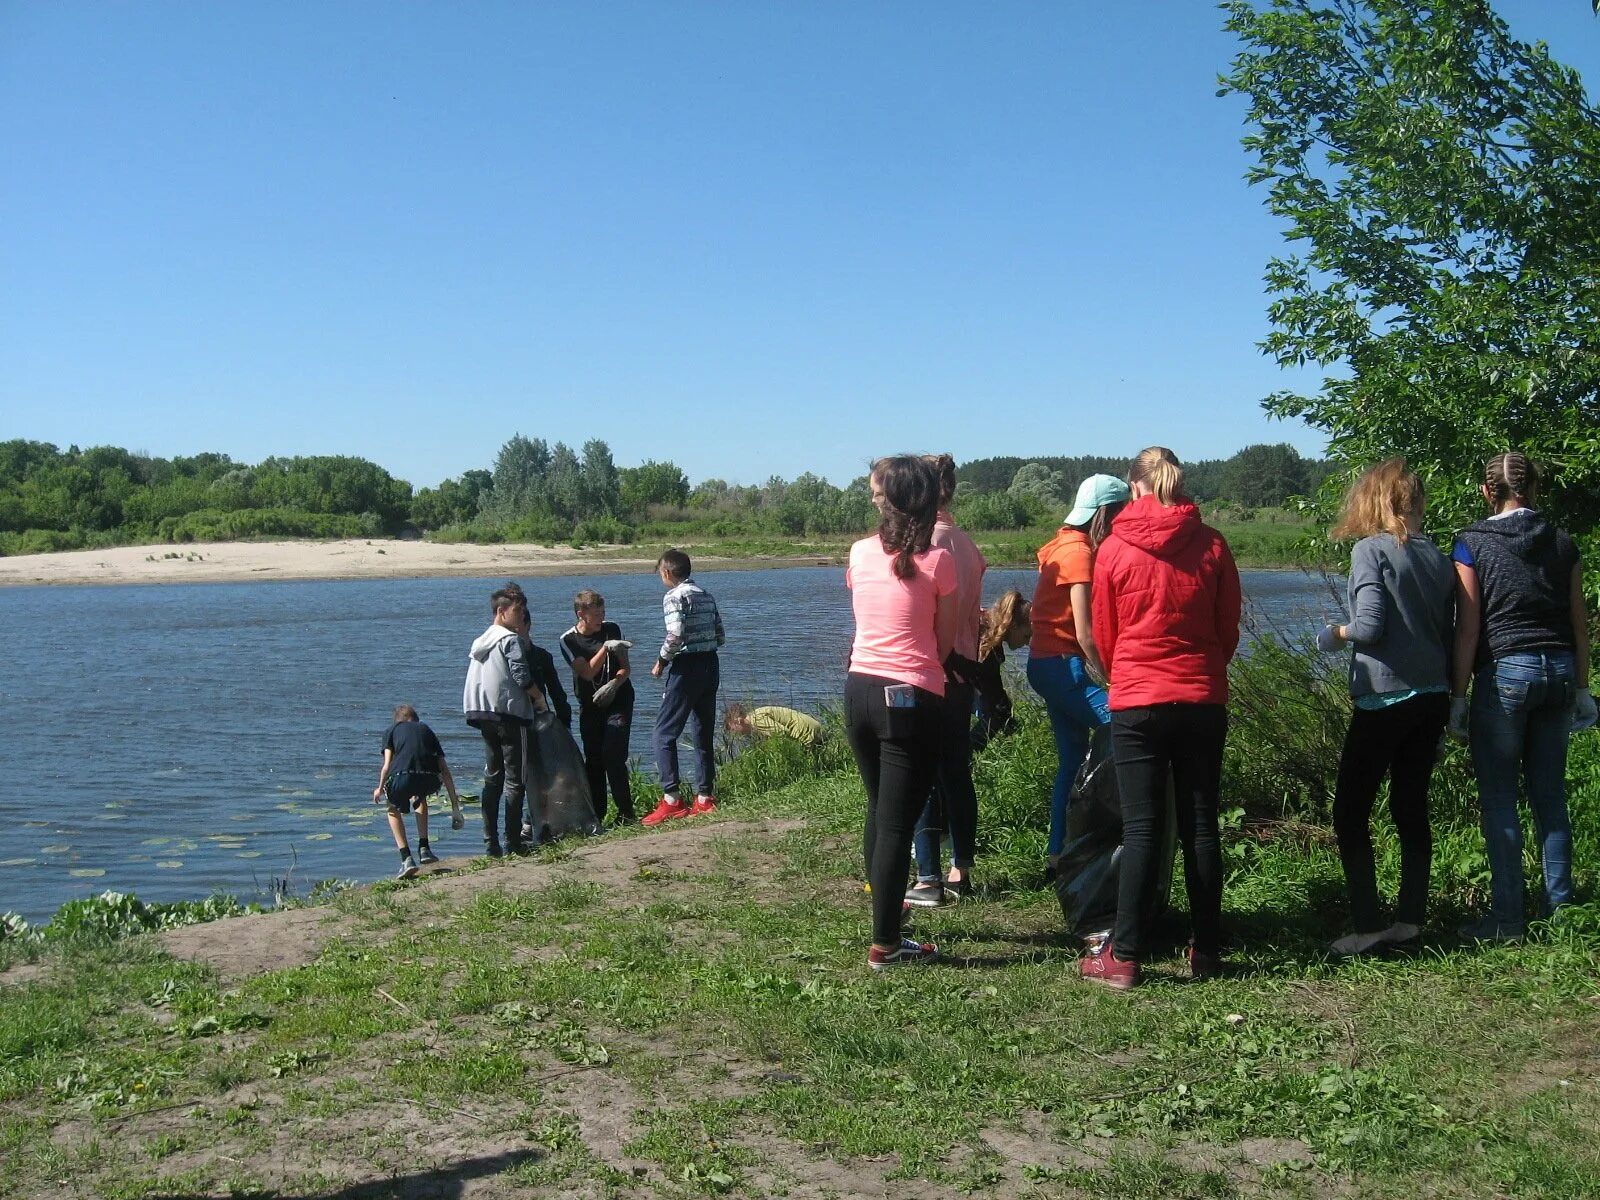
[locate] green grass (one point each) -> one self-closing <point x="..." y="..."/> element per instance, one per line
<point x="721" y="1000"/>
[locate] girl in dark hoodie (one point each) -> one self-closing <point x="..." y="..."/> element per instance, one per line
<point x="1166" y="606"/>
<point x="1522" y="634"/>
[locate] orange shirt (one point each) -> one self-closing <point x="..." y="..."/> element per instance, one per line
<point x="1065" y="560"/>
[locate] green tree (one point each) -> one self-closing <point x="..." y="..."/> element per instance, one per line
<point x="1441" y="181"/>
<point x="1264" y="476"/>
<point x="1036" y="481"/>
<point x="518" y="480"/>
<point x="653" y="483"/>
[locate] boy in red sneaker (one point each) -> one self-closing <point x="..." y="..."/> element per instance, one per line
<point x="688" y="666"/>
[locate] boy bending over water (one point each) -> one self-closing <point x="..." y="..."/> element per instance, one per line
<point x="413" y="768"/>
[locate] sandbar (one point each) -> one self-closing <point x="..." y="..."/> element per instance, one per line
<point x="353" y="558"/>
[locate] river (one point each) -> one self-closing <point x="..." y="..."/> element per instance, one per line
<point x="177" y="740"/>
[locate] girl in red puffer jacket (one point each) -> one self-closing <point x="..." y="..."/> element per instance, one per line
<point x="1166" y="606"/>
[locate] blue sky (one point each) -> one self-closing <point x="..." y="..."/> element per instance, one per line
<point x="753" y="238"/>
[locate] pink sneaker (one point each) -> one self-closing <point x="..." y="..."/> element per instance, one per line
<point x="669" y="809"/>
<point x="910" y="953"/>
<point x="1103" y="966"/>
<point x="703" y="805"/>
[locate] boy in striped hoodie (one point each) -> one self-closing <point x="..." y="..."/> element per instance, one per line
<point x="688" y="665"/>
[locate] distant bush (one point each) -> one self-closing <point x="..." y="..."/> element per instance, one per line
<point x="215" y="525"/>
<point x="997" y="510"/>
<point x="607" y="530"/>
<point x="40" y="541"/>
<point x="112" y="915"/>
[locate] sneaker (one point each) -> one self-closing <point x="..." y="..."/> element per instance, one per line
<point x="910" y="953"/>
<point x="666" y="811"/>
<point x="425" y="855"/>
<point x="928" y="895"/>
<point x="1356" y="944"/>
<point x="493" y="850"/>
<point x="703" y="805"/>
<point x="1487" y="929"/>
<point x="408" y="868"/>
<point x="1402" y="933"/>
<point x="1103" y="966"/>
<point x="1205" y="966"/>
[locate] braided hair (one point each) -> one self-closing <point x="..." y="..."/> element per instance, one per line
<point x="945" y="468"/>
<point x="1511" y="476"/>
<point x="910" y="488"/>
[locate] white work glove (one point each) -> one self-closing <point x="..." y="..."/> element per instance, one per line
<point x="607" y="692"/>
<point x="1459" y="710"/>
<point x="615" y="644"/>
<point x="1328" y="639"/>
<point x="1583" y="711"/>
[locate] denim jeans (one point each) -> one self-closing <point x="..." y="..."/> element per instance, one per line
<point x="688" y="699"/>
<point x="953" y="804"/>
<point x="1520" y="717"/>
<point x="1077" y="706"/>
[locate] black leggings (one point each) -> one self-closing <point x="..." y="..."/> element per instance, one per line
<point x="897" y="753"/>
<point x="1182" y="742"/>
<point x="1402" y="742"/>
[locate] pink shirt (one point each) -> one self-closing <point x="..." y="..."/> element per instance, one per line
<point x="895" y="635"/>
<point x="970" y="566"/>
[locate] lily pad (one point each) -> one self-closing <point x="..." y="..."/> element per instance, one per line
<point x="61" y="849"/>
<point x="87" y="872"/>
<point x="319" y="837"/>
<point x="17" y="862"/>
<point x="160" y="841"/>
<point x="249" y="854"/>
<point x="169" y="864"/>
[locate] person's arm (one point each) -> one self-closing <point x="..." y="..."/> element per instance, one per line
<point x="556" y="693"/>
<point x="1103" y="606"/>
<point x="585" y="667"/>
<point x="946" y="619"/>
<point x="1230" y="599"/>
<point x="449" y="782"/>
<point x="1580" y="629"/>
<point x="1368" y="610"/>
<point x="521" y="672"/>
<point x="1083" y="625"/>
<point x="383" y="774"/>
<point x="1469" y="616"/>
<point x="672" y="612"/>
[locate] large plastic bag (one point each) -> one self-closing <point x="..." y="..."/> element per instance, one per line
<point x="558" y="788"/>
<point x="1087" y="875"/>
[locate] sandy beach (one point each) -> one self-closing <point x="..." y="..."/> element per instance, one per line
<point x="235" y="562"/>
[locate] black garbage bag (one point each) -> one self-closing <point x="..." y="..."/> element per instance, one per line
<point x="1086" y="875"/>
<point x="558" y="788"/>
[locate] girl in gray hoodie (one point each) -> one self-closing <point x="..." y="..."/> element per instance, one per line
<point x="1402" y="620"/>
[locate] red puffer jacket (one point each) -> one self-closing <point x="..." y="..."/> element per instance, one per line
<point x="1166" y="606"/>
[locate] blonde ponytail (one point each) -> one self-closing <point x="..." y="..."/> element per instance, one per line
<point x="1159" y="470"/>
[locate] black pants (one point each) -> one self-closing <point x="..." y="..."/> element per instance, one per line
<point x="897" y="753"/>
<point x="1183" y="742"/>
<point x="604" y="733"/>
<point x="953" y="806"/>
<point x="505" y="773"/>
<point x="1402" y="742"/>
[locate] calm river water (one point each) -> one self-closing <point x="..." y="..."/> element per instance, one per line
<point x="176" y="740"/>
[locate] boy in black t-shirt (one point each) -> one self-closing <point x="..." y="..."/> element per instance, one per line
<point x="598" y="655"/>
<point x="413" y="768"/>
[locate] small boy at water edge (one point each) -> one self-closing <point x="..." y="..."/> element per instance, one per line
<point x="688" y="663"/>
<point x="413" y="768"/>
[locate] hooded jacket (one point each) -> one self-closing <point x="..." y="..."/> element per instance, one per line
<point x="1166" y="606"/>
<point x="1524" y="566"/>
<point x="498" y="677"/>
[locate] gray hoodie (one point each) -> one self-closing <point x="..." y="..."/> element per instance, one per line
<point x="1402" y="616"/>
<point x="498" y="678"/>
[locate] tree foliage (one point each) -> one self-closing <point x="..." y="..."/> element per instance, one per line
<point x="1441" y="183"/>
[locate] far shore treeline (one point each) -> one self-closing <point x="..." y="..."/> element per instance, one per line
<point x="53" y="499"/>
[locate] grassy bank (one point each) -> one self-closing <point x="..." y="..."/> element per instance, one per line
<point x="688" y="1012"/>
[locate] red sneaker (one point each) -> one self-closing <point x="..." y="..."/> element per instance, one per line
<point x="910" y="953"/>
<point x="667" y="810"/>
<point x="1103" y="966"/>
<point x="703" y="805"/>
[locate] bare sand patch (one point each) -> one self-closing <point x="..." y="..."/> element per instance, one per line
<point x="353" y="558"/>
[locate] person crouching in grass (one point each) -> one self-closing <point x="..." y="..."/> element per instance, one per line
<point x="413" y="768"/>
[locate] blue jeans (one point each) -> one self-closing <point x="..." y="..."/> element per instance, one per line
<point x="688" y="698"/>
<point x="1077" y="705"/>
<point x="1520" y="718"/>
<point x="953" y="804"/>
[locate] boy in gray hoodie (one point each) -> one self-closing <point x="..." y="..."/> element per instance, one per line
<point x="500" y="699"/>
